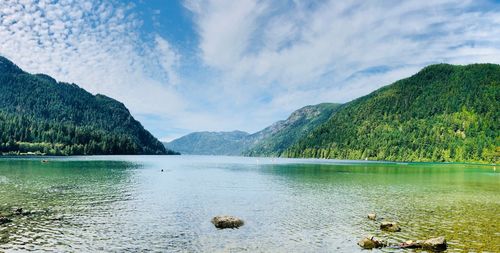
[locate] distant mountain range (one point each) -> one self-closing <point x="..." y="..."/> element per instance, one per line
<point x="39" y="115"/>
<point x="210" y="143"/>
<point x="442" y="113"/>
<point x="271" y="141"/>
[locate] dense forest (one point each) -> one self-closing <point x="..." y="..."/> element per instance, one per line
<point x="39" y="115"/>
<point x="443" y="113"/>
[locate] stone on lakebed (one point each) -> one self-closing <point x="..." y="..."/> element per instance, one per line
<point x="370" y="242"/>
<point x="372" y="216"/>
<point x="225" y="221"/>
<point x="390" y="226"/>
<point x="4" y="220"/>
<point x="433" y="244"/>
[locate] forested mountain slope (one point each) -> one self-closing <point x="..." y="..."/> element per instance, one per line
<point x="40" y="115"/>
<point x="442" y="113"/>
<point x="273" y="140"/>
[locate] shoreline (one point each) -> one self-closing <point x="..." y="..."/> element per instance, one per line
<point x="319" y="160"/>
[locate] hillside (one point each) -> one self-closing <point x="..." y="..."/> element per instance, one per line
<point x="268" y="142"/>
<point x="275" y="139"/>
<point x="43" y="116"/>
<point x="210" y="143"/>
<point x="442" y="113"/>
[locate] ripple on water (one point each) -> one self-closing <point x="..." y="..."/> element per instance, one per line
<point x="286" y="209"/>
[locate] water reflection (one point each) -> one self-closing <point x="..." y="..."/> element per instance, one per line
<point x="62" y="196"/>
<point x="127" y="204"/>
<point x="460" y="202"/>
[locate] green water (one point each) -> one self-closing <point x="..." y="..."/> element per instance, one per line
<point x="126" y="204"/>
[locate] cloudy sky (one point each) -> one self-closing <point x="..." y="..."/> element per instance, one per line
<point x="219" y="65"/>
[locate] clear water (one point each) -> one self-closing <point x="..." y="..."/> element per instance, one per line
<point x="125" y="203"/>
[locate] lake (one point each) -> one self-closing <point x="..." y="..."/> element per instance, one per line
<point x="126" y="204"/>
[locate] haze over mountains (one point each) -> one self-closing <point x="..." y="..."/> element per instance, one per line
<point x="39" y="115"/>
<point x="442" y="113"/>
<point x="210" y="143"/>
<point x="269" y="141"/>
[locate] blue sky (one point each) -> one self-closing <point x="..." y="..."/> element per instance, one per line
<point x="221" y="65"/>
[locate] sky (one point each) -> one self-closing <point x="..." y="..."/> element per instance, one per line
<point x="223" y="65"/>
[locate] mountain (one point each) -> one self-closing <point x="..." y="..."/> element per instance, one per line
<point x="210" y="143"/>
<point x="442" y="113"/>
<point x="268" y="142"/>
<point x="275" y="139"/>
<point x="40" y="115"/>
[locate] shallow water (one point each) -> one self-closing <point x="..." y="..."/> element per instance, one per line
<point x="125" y="203"/>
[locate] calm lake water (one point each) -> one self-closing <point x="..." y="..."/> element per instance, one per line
<point x="125" y="203"/>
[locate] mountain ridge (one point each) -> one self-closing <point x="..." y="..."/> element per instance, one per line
<point x="442" y="113"/>
<point x="63" y="119"/>
<point x="273" y="140"/>
<point x="264" y="142"/>
<point x="210" y="143"/>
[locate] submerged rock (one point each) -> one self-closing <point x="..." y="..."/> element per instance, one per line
<point x="56" y="218"/>
<point x="20" y="211"/>
<point x="225" y="221"/>
<point x="372" y="216"/>
<point x="390" y="226"/>
<point x="4" y="220"/>
<point x="370" y="242"/>
<point x="435" y="244"/>
<point x="408" y="245"/>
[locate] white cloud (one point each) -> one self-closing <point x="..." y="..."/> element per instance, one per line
<point x="167" y="58"/>
<point x="257" y="60"/>
<point x="302" y="53"/>
<point x="234" y="22"/>
<point x="298" y="45"/>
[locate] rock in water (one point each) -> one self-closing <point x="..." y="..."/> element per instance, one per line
<point x="372" y="216"/>
<point x="4" y="220"/>
<point x="408" y="244"/>
<point x="225" y="221"/>
<point x="20" y="211"/>
<point x="390" y="226"/>
<point x="435" y="244"/>
<point x="370" y="242"/>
